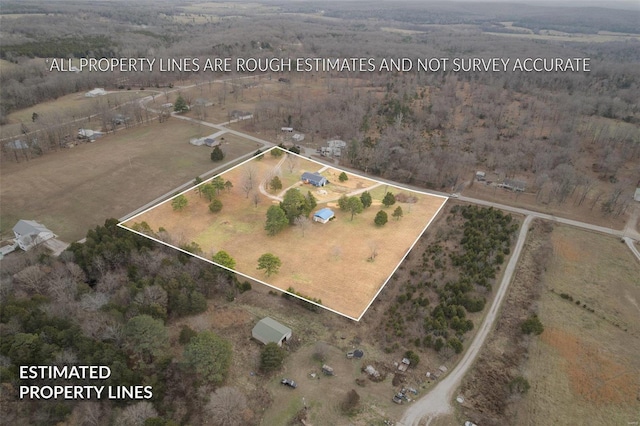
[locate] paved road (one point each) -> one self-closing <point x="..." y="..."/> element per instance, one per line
<point x="438" y="401"/>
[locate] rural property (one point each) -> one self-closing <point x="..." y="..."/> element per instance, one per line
<point x="339" y="258"/>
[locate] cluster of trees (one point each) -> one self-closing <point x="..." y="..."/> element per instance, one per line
<point x="456" y="278"/>
<point x="292" y="210"/>
<point x="107" y="302"/>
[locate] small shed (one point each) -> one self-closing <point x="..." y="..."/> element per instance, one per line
<point x="315" y="179"/>
<point x="268" y="330"/>
<point x="323" y="215"/>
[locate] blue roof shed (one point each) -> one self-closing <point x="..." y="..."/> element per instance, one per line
<point x="323" y="215"/>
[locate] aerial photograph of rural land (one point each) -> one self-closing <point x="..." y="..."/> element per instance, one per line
<point x="319" y="212"/>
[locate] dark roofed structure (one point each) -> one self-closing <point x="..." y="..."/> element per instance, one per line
<point x="315" y="179"/>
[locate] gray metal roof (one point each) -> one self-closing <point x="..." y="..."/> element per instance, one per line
<point x="269" y="330"/>
<point x="29" y="227"/>
<point x="313" y="177"/>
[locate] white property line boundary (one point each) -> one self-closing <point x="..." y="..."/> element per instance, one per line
<point x="127" y="219"/>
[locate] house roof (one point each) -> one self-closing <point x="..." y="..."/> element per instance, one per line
<point x="269" y="330"/>
<point x="637" y="195"/>
<point x="324" y="214"/>
<point x="313" y="177"/>
<point x="515" y="183"/>
<point x="29" y="227"/>
<point x="17" y="144"/>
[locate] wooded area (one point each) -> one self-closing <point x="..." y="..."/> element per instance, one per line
<point x="572" y="138"/>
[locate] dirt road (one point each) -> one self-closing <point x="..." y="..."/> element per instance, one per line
<point x="438" y="401"/>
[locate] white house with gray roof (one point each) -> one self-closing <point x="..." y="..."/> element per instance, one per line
<point x="30" y="233"/>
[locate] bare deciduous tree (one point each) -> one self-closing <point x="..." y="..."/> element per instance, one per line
<point x="136" y="414"/>
<point x="303" y="223"/>
<point x="227" y="407"/>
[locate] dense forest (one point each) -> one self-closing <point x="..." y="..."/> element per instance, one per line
<point x="108" y="302"/>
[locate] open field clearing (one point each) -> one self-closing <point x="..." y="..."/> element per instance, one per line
<point x="343" y="263"/>
<point x="71" y="191"/>
<point x="584" y="368"/>
<point x="65" y="109"/>
<point x="580" y="38"/>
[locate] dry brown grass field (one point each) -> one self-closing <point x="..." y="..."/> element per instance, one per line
<point x="329" y="262"/>
<point x="71" y="191"/>
<point x="67" y="108"/>
<point x="584" y="368"/>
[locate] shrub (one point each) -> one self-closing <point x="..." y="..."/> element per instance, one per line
<point x="271" y="357"/>
<point x="413" y="357"/>
<point x="351" y="402"/>
<point x="532" y="325"/>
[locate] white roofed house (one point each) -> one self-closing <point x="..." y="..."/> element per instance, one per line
<point x="95" y="92"/>
<point x="30" y="233"/>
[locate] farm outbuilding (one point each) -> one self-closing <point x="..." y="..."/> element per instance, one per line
<point x="315" y="179"/>
<point x="98" y="91"/>
<point x="323" y="215"/>
<point x="268" y="330"/>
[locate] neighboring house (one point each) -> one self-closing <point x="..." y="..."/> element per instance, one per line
<point x="315" y="179"/>
<point x="323" y="215"/>
<point x="336" y="143"/>
<point x="17" y="144"/>
<point x="95" y="92"/>
<point x="210" y="141"/>
<point x="237" y="114"/>
<point x="120" y="119"/>
<point x="514" y="185"/>
<point x="29" y="234"/>
<point x="202" y="102"/>
<point x="637" y="195"/>
<point x="88" y="134"/>
<point x="268" y="330"/>
<point x="298" y="137"/>
<point x="481" y="176"/>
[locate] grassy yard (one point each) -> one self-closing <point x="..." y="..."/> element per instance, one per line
<point x="330" y="262"/>
<point x="71" y="191"/>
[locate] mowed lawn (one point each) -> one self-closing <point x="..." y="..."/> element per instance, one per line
<point x="585" y="368"/>
<point x="73" y="190"/>
<point x="329" y="262"/>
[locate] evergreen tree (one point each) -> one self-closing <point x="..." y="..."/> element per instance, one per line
<point x="381" y="218"/>
<point x="180" y="105"/>
<point x="217" y="154"/>
<point x="275" y="184"/>
<point x="397" y="213"/>
<point x="366" y="199"/>
<point x="276" y="220"/>
<point x="389" y="199"/>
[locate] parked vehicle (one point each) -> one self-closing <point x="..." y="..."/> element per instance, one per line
<point x="289" y="382"/>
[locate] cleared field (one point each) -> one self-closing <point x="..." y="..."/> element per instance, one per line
<point x="331" y="262"/>
<point x="67" y="109"/>
<point x="585" y="368"/>
<point x="74" y="190"/>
